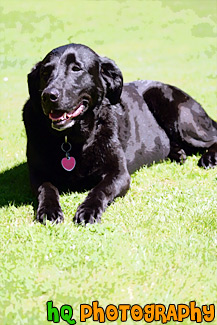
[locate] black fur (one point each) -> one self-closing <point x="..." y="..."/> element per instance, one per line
<point x="113" y="129"/>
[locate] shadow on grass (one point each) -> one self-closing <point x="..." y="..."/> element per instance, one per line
<point x="15" y="187"/>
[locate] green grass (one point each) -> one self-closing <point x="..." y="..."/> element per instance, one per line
<point x="158" y="243"/>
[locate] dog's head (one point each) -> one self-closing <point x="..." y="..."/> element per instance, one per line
<point x="71" y="80"/>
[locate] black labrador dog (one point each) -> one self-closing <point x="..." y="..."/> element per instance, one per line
<point x="88" y="131"/>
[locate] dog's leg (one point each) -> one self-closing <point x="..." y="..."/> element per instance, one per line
<point x="186" y="123"/>
<point x="177" y="153"/>
<point x="209" y="158"/>
<point x="48" y="204"/>
<point x="100" y="196"/>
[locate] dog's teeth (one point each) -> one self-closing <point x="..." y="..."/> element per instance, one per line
<point x="65" y="116"/>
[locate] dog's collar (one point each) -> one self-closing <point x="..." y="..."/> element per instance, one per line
<point x="68" y="163"/>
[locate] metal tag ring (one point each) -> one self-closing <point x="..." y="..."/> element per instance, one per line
<point x="64" y="144"/>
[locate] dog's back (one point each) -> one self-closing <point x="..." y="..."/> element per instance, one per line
<point x="143" y="140"/>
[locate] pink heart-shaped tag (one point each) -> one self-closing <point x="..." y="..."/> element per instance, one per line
<point x="68" y="163"/>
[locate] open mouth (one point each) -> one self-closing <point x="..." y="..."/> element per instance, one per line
<point x="61" y="116"/>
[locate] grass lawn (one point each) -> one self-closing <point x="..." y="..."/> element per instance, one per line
<point x="158" y="243"/>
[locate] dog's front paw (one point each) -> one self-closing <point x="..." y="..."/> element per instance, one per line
<point x="86" y="215"/>
<point x="53" y="214"/>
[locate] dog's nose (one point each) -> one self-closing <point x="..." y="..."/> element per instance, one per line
<point x="51" y="94"/>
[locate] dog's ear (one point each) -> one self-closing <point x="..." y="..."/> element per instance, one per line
<point x="34" y="81"/>
<point x="113" y="78"/>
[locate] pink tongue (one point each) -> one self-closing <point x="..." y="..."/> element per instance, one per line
<point x="60" y="115"/>
<point x="56" y="115"/>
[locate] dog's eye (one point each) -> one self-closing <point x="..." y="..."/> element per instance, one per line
<point x="76" y="68"/>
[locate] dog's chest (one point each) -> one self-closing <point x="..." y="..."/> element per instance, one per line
<point x="70" y="163"/>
